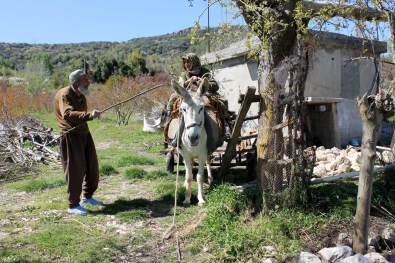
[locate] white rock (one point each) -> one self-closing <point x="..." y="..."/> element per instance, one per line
<point x="334" y="254"/>
<point x="330" y="157"/>
<point x="376" y="257"/>
<point x="388" y="156"/>
<point x="336" y="151"/>
<point x="320" y="149"/>
<point x="306" y="257"/>
<point x="389" y="234"/>
<point x="344" y="168"/>
<point x="357" y="258"/>
<point x="331" y="166"/>
<point x="320" y="157"/>
<point x="320" y="170"/>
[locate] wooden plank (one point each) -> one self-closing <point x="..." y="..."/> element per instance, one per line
<point x="245" y="150"/>
<point x="321" y="100"/>
<point x="282" y="125"/>
<point x="232" y="164"/>
<point x="231" y="147"/>
<point x="247" y="137"/>
<point x="252" y="118"/>
<point x="349" y="175"/>
<point x="255" y="98"/>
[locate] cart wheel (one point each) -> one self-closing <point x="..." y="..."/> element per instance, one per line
<point x="170" y="162"/>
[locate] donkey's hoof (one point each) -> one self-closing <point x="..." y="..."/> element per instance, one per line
<point x="201" y="203"/>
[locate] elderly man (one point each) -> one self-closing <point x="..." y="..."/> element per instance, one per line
<point x="79" y="159"/>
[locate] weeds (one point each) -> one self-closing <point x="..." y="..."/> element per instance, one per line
<point x="107" y="170"/>
<point x="135" y="173"/>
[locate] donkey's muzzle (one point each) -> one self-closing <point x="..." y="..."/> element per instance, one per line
<point x="193" y="132"/>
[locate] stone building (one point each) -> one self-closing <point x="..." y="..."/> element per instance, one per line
<point x="332" y="86"/>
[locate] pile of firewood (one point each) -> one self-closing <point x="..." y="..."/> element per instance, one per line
<point x="24" y="143"/>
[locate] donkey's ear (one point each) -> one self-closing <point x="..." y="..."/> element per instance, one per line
<point x="203" y="86"/>
<point x="178" y="89"/>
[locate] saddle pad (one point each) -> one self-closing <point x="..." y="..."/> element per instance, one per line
<point x="214" y="136"/>
<point x="173" y="128"/>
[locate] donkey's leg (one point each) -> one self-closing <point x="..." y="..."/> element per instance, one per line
<point x="209" y="174"/>
<point x="188" y="180"/>
<point x="200" y="179"/>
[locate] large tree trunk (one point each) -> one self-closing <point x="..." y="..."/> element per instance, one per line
<point x="280" y="56"/>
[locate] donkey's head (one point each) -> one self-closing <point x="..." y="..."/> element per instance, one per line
<point x="192" y="108"/>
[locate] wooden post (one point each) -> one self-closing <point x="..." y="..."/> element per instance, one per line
<point x="231" y="147"/>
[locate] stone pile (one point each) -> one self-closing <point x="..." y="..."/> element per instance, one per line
<point x="335" y="161"/>
<point x="379" y="246"/>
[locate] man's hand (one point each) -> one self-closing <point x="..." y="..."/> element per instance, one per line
<point x="192" y="79"/>
<point x="95" y="114"/>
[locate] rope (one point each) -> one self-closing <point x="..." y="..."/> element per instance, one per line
<point x="178" y="171"/>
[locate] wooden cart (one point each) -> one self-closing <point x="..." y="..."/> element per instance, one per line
<point x="237" y="150"/>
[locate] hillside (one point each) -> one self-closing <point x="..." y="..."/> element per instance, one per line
<point x="164" y="47"/>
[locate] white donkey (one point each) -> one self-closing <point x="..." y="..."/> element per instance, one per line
<point x="193" y="143"/>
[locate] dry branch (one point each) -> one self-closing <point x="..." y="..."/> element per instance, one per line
<point x="25" y="143"/>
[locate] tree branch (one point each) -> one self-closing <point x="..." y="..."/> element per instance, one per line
<point x="346" y="10"/>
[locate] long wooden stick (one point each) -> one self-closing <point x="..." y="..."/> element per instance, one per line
<point x="139" y="94"/>
<point x="116" y="104"/>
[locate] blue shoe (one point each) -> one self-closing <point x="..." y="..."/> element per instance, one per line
<point x="90" y="201"/>
<point x="79" y="210"/>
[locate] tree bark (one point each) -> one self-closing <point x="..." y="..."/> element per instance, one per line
<point x="372" y="116"/>
<point x="280" y="46"/>
<point x="346" y="10"/>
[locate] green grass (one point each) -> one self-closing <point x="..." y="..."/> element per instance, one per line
<point x="58" y="240"/>
<point x="107" y="170"/>
<point x="133" y="215"/>
<point x="157" y="175"/>
<point x="135" y="173"/>
<point x="139" y="197"/>
<point x="37" y="183"/>
<point x="135" y="160"/>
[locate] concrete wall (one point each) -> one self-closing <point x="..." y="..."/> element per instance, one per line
<point x="234" y="81"/>
<point x="330" y="75"/>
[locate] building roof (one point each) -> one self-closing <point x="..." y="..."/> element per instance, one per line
<point x="324" y="39"/>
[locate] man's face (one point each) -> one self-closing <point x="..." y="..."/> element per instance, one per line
<point x="84" y="82"/>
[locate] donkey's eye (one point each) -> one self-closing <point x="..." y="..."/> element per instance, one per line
<point x="200" y="110"/>
<point x="183" y="109"/>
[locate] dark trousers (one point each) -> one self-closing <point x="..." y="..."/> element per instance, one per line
<point x="80" y="166"/>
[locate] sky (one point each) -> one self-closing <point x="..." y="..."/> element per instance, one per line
<point x="77" y="21"/>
